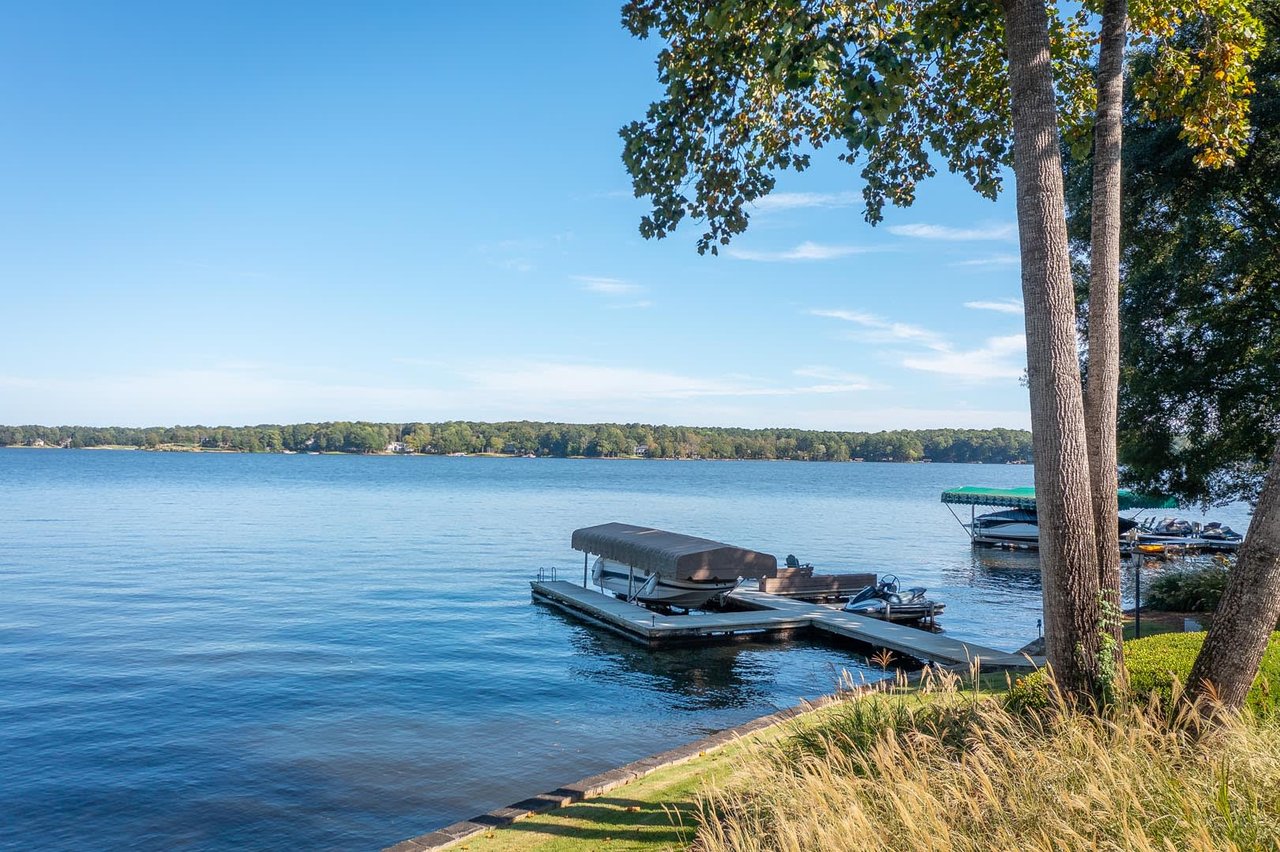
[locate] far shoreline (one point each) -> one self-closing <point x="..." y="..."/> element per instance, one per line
<point x="385" y="453"/>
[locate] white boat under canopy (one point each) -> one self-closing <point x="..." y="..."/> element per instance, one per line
<point x="1018" y="526"/>
<point x="653" y="589"/>
<point x="657" y="567"/>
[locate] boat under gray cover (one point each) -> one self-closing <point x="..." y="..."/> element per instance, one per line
<point x="674" y="555"/>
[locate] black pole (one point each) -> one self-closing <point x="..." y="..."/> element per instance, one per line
<point x="1137" y="596"/>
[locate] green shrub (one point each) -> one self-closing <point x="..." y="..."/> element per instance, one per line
<point x="1198" y="590"/>
<point x="1030" y="692"/>
<point x="1156" y="661"/>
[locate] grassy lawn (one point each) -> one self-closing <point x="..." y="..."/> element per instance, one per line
<point x="657" y="812"/>
<point x="979" y="774"/>
<point x="653" y="813"/>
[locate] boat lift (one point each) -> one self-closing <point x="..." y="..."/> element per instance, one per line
<point x="1025" y="499"/>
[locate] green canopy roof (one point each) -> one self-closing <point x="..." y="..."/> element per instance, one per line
<point x="1025" y="498"/>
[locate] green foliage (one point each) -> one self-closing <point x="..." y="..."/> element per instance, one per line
<point x="1155" y="662"/>
<point x="1198" y="56"/>
<point x="1032" y="692"/>
<point x="557" y="439"/>
<point x="1200" y="309"/>
<point x="754" y="87"/>
<point x="1196" y="590"/>
<point x="1109" y="622"/>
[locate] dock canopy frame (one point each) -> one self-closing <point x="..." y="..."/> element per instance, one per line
<point x="673" y="555"/>
<point x="1025" y="498"/>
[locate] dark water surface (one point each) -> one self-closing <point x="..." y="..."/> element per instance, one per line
<point x="338" y="652"/>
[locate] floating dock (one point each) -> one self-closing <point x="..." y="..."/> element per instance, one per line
<point x="767" y="615"/>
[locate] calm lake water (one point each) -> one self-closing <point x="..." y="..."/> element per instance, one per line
<point x="339" y="652"/>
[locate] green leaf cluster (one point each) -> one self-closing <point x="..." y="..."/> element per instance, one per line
<point x="1197" y="590"/>
<point x="1200" y="303"/>
<point x="755" y="87"/>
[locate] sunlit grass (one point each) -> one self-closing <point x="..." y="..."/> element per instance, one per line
<point x="945" y="765"/>
<point x="889" y="774"/>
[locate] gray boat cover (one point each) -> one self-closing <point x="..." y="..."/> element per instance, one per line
<point x="673" y="555"/>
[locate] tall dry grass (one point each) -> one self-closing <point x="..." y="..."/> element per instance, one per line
<point x="969" y="774"/>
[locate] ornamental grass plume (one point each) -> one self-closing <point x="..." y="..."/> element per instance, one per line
<point x="969" y="773"/>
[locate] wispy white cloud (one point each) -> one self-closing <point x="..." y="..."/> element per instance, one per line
<point x="880" y="330"/>
<point x="207" y="395"/>
<point x="873" y="419"/>
<point x="541" y="388"/>
<point x="799" y="200"/>
<point x="831" y="380"/>
<point x="996" y="231"/>
<point x="518" y="254"/>
<point x="1003" y="306"/>
<point x="569" y="381"/>
<point x="992" y="261"/>
<point x="608" y="286"/>
<point x="999" y="358"/>
<point x="805" y="251"/>
<point x="410" y="361"/>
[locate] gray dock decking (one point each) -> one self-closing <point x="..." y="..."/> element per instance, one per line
<point x="769" y="615"/>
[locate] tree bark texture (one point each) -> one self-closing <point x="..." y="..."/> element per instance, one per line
<point x="1068" y="550"/>
<point x="1249" y="608"/>
<point x="1102" y="386"/>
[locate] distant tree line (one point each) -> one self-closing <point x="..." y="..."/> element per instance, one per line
<point x="552" y="439"/>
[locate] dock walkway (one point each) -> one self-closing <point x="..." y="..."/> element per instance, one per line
<point x="767" y="615"/>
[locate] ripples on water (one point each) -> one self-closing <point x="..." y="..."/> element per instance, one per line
<point x="336" y="652"/>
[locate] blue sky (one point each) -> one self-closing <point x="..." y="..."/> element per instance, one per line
<point x="241" y="212"/>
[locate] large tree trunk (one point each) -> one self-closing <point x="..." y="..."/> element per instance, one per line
<point x="1068" y="551"/>
<point x="1249" y="609"/>
<point x="1102" y="387"/>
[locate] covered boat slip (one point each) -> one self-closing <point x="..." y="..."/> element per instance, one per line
<point x="1018" y="527"/>
<point x="673" y="555"/>
<point x="752" y="614"/>
<point x="769" y="615"/>
<point x="1025" y="498"/>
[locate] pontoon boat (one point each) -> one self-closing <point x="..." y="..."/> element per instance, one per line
<point x="666" y="569"/>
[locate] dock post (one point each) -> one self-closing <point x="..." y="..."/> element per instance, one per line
<point x="585" y="557"/>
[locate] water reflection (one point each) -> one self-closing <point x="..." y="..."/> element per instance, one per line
<point x="1012" y="570"/>
<point x="1018" y="571"/>
<point x="718" y="676"/>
